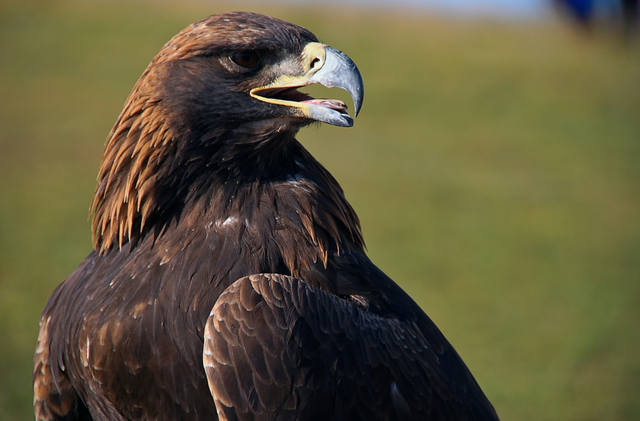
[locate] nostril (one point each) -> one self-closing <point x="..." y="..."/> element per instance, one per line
<point x="316" y="62"/>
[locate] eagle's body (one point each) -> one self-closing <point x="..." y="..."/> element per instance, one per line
<point x="229" y="277"/>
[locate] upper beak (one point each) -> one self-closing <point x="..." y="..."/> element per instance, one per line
<point x="328" y="67"/>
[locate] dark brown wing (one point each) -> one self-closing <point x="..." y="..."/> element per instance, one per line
<point x="53" y="399"/>
<point x="278" y="348"/>
<point x="118" y="347"/>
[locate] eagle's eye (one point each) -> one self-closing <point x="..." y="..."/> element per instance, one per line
<point x="246" y="59"/>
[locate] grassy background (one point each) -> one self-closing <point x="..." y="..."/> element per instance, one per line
<point x="495" y="168"/>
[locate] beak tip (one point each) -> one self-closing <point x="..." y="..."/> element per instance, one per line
<point x="358" y="108"/>
<point x="358" y="99"/>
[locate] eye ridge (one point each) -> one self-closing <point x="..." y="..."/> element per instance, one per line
<point x="246" y="59"/>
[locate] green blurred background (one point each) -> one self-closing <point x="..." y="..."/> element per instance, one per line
<point x="495" y="167"/>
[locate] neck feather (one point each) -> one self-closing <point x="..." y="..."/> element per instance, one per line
<point x="151" y="178"/>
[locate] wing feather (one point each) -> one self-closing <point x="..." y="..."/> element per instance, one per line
<point x="325" y="354"/>
<point x="53" y="396"/>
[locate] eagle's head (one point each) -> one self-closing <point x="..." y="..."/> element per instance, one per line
<point x="239" y="67"/>
<point x="218" y="104"/>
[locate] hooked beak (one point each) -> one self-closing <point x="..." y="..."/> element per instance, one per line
<point x="328" y="67"/>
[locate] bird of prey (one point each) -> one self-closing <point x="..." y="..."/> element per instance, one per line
<point x="229" y="278"/>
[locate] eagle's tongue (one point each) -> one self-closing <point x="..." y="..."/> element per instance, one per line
<point x="334" y="104"/>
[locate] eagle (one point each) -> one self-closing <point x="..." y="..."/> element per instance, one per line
<point x="229" y="278"/>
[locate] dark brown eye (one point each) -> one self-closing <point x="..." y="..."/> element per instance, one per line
<point x="247" y="59"/>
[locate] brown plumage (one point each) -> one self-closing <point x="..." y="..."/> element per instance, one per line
<point x="229" y="277"/>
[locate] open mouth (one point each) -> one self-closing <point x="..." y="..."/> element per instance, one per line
<point x="292" y="94"/>
<point x="324" y="66"/>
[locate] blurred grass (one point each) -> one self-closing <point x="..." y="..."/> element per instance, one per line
<point x="495" y="168"/>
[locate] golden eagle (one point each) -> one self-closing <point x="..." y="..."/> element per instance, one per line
<point x="229" y="278"/>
